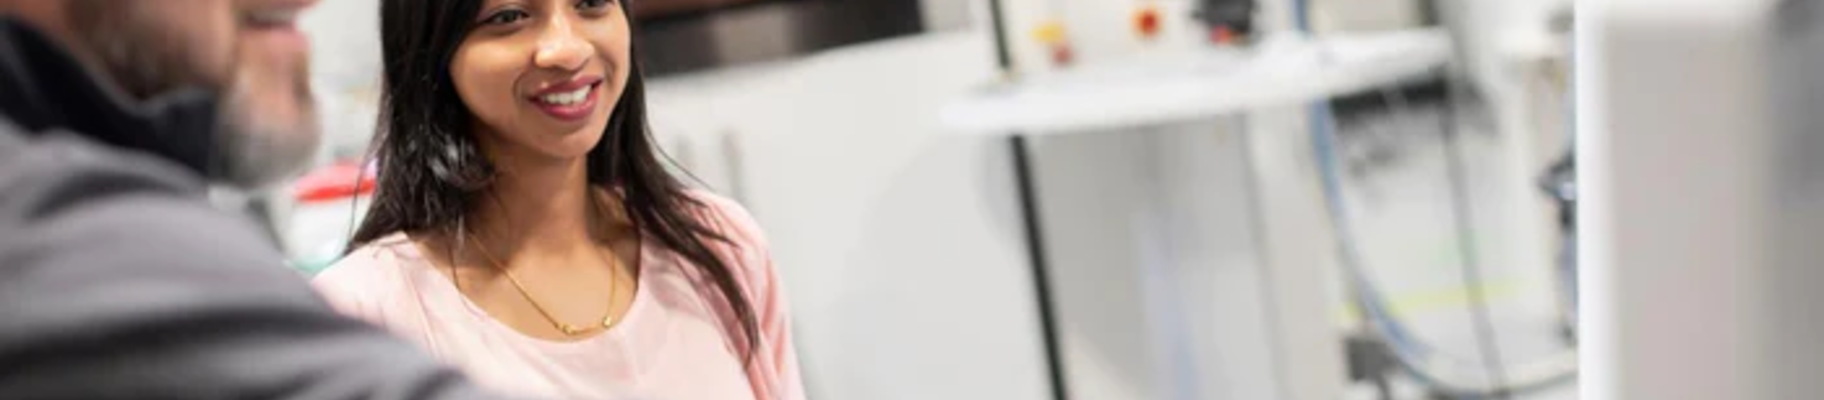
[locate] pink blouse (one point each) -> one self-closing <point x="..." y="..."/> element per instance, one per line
<point x="674" y="343"/>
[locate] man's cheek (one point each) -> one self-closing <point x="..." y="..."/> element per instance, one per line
<point x="210" y="28"/>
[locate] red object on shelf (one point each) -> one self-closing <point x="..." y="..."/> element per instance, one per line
<point x="1146" y="21"/>
<point x="333" y="182"/>
<point x="1062" y="56"/>
<point x="1222" y="35"/>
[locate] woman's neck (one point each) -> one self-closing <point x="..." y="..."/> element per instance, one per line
<point x="538" y="207"/>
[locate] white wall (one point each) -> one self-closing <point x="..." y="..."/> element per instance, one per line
<point x="1162" y="292"/>
<point x="1345" y="16"/>
<point x="345" y="69"/>
<point x="899" y="243"/>
<point x="947" y="14"/>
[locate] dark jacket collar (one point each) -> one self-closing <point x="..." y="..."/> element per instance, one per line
<point x="44" y="88"/>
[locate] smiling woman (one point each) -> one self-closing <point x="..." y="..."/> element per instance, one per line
<point x="524" y="228"/>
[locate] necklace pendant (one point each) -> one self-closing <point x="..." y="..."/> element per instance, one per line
<point x="571" y="330"/>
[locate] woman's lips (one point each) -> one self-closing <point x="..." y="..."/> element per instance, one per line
<point x="569" y="102"/>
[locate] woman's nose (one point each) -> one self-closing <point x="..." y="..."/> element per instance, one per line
<point x="561" y="47"/>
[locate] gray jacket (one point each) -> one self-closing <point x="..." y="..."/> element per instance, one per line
<point x="119" y="280"/>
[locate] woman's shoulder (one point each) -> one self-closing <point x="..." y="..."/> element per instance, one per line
<point x="371" y="258"/>
<point x="726" y="215"/>
<point x="746" y="243"/>
<point x="367" y="275"/>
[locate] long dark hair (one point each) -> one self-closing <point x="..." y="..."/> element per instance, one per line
<point x="432" y="172"/>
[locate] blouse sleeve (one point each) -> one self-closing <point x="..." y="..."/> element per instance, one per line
<point x="352" y="285"/>
<point x="774" y="372"/>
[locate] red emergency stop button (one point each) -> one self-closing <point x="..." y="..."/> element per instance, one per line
<point x="1146" y="21"/>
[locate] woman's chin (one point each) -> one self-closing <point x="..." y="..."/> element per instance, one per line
<point x="572" y="141"/>
<point x="572" y="146"/>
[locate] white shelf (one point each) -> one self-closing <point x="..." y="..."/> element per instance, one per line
<point x="1174" y="85"/>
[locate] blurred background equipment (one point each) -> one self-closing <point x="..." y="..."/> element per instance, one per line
<point x="1095" y="199"/>
<point x="1226" y="18"/>
<point x="693" y="35"/>
<point x="1703" y="203"/>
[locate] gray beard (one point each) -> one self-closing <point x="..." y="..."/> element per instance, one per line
<point x="252" y="154"/>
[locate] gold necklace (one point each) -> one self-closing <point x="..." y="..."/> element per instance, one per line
<point x="567" y="329"/>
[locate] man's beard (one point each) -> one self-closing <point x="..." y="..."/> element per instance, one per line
<point x="252" y="151"/>
<point x="145" y="60"/>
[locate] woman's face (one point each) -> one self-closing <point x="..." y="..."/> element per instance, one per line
<point x="542" y="76"/>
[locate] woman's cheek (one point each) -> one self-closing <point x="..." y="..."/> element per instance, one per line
<point x="484" y="75"/>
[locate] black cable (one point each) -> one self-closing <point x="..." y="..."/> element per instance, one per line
<point x="1035" y="245"/>
<point x="1003" y="55"/>
<point x="1029" y="214"/>
<point x="1482" y="322"/>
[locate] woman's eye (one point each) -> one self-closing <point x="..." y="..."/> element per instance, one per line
<point x="593" y="4"/>
<point x="504" y="17"/>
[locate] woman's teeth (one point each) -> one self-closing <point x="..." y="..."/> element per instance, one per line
<point x="569" y="98"/>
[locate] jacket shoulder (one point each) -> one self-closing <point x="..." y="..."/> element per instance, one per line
<point x="45" y="173"/>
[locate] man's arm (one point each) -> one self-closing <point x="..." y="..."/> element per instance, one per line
<point x="118" y="280"/>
